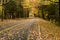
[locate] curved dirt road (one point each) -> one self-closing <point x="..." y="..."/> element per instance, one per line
<point x="30" y="29"/>
<point x="18" y="31"/>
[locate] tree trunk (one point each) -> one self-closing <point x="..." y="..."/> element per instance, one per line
<point x="43" y="13"/>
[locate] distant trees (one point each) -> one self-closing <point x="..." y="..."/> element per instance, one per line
<point x="19" y="11"/>
<point x="50" y="12"/>
<point x="13" y="10"/>
<point x="26" y="12"/>
<point x="10" y="9"/>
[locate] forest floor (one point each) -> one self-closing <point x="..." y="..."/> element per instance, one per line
<point x="29" y="29"/>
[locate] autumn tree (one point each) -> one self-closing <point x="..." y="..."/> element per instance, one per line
<point x="10" y="9"/>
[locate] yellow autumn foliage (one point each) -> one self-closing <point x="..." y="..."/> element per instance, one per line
<point x="0" y="10"/>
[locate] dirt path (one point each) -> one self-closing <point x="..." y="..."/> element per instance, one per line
<point x="17" y="29"/>
<point x="31" y="29"/>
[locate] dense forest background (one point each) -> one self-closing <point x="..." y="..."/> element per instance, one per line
<point x="46" y="9"/>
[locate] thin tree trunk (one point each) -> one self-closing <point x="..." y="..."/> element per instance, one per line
<point x="43" y="13"/>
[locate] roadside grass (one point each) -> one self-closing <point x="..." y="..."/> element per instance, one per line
<point x="49" y="30"/>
